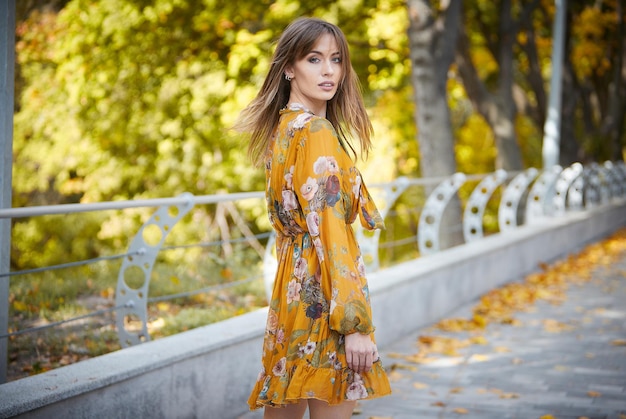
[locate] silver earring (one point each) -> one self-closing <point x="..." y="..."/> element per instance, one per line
<point x="288" y="78"/>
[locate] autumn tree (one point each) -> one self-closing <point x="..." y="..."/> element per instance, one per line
<point x="596" y="77"/>
<point x="491" y="28"/>
<point x="432" y="37"/>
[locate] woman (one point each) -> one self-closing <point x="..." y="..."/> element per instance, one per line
<point x="319" y="350"/>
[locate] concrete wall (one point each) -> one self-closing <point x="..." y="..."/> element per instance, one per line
<point x="208" y="372"/>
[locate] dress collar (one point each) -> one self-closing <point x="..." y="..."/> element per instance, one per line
<point x="295" y="106"/>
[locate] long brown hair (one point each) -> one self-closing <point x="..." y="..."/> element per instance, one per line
<point x="345" y="110"/>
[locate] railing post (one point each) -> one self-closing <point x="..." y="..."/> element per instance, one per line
<point x="432" y="213"/>
<point x="7" y="82"/>
<point x="133" y="279"/>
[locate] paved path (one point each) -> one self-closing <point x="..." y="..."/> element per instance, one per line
<point x="566" y="360"/>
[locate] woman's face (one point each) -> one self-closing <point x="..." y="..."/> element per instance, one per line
<point x="316" y="77"/>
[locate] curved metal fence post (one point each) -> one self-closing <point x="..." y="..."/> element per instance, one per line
<point x="563" y="187"/>
<point x="591" y="191"/>
<point x="270" y="266"/>
<point x="604" y="180"/>
<point x="614" y="179"/>
<point x="476" y="204"/>
<point x="540" y="198"/>
<point x="133" y="279"/>
<point x="368" y="240"/>
<point x="575" y="193"/>
<point x="511" y="198"/>
<point x="620" y="172"/>
<point x="430" y="218"/>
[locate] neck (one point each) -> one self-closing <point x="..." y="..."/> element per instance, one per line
<point x="318" y="109"/>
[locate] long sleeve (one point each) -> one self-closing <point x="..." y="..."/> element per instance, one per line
<point x="328" y="189"/>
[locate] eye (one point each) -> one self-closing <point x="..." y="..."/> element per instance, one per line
<point x="314" y="60"/>
<point x="337" y="60"/>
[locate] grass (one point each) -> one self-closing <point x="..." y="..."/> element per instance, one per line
<point x="36" y="300"/>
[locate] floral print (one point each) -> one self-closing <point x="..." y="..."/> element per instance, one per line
<point x="314" y="193"/>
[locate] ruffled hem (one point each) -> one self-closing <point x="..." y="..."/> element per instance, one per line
<point x="326" y="384"/>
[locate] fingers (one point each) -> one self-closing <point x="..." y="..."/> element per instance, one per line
<point x="360" y="362"/>
<point x="361" y="352"/>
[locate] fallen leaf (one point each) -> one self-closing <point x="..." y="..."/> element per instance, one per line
<point x="456" y="390"/>
<point x="509" y="396"/>
<point x="395" y="376"/>
<point x="460" y="410"/>
<point x="394" y="355"/>
<point x="440" y="404"/>
<point x="619" y="342"/>
<point x="554" y="326"/>
<point x="547" y="417"/>
<point x="593" y="394"/>
<point x="395" y="366"/>
<point x="479" y="358"/>
<point x="419" y="385"/>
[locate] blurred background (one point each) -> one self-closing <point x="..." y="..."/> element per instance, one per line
<point x="133" y="99"/>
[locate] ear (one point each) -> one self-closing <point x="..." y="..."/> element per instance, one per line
<point x="289" y="71"/>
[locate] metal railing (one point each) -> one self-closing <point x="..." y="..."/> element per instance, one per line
<point x="524" y="198"/>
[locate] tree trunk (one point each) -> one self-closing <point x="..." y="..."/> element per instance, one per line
<point x="498" y="108"/>
<point x="613" y="123"/>
<point x="431" y="42"/>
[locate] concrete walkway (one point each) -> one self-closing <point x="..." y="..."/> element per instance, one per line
<point x="558" y="362"/>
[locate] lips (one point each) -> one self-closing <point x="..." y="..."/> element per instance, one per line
<point x="327" y="84"/>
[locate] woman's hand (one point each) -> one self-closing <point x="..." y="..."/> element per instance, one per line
<point x="361" y="352"/>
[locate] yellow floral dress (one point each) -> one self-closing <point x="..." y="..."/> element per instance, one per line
<point x="314" y="194"/>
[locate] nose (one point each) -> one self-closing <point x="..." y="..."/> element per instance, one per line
<point x="328" y="68"/>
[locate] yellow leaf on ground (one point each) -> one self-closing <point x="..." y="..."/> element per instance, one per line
<point x="419" y="385"/>
<point x="460" y="410"/>
<point x="395" y="355"/>
<point x="440" y="404"/>
<point x="395" y="375"/>
<point x="593" y="394"/>
<point x="478" y="340"/>
<point x="509" y="396"/>
<point x="547" y="417"/>
<point x="396" y="366"/>
<point x="456" y="390"/>
<point x="619" y="342"/>
<point x="554" y="326"/>
<point x="479" y="358"/>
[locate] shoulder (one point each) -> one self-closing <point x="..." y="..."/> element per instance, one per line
<point x="319" y="124"/>
<point x="313" y="125"/>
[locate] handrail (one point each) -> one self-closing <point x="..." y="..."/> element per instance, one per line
<point x="117" y="205"/>
<point x="23" y="212"/>
<point x="600" y="184"/>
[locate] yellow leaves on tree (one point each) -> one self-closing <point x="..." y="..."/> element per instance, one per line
<point x="590" y="52"/>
